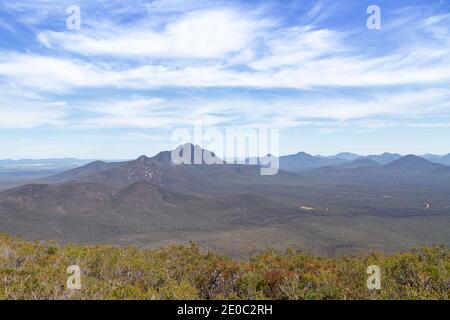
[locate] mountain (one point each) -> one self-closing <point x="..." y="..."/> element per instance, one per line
<point x="445" y="160"/>
<point x="384" y="158"/>
<point x="303" y="161"/>
<point x="360" y="163"/>
<point x="150" y="200"/>
<point x="187" y="178"/>
<point x="39" y="161"/>
<point x="352" y="170"/>
<point x="346" y="156"/>
<point x="443" y="171"/>
<point x="56" y="199"/>
<point x="264" y="161"/>
<point x="408" y="171"/>
<point x="80" y="172"/>
<point x="412" y="163"/>
<point x="42" y="164"/>
<point x="141" y="169"/>
<point x="79" y="211"/>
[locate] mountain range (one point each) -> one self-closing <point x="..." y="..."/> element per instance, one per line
<point x="298" y="161"/>
<point x="324" y="204"/>
<point x="303" y="161"/>
<point x="40" y="164"/>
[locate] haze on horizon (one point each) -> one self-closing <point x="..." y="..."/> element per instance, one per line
<point x="137" y="70"/>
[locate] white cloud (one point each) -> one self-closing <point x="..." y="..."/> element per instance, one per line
<point x="406" y="104"/>
<point x="231" y="49"/>
<point x="199" y="34"/>
<point x="148" y="113"/>
<point x="54" y="74"/>
<point x="298" y="46"/>
<point x="207" y="48"/>
<point x="128" y="108"/>
<point x="279" y="112"/>
<point x="29" y="111"/>
<point x="158" y="6"/>
<point x="50" y="74"/>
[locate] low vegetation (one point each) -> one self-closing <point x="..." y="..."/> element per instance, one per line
<point x="37" y="270"/>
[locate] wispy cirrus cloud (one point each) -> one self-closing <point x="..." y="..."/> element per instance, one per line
<point x="49" y="73"/>
<point x="330" y="113"/>
<point x="20" y="109"/>
<point x="209" y="34"/>
<point x="271" y="66"/>
<point x="225" y="47"/>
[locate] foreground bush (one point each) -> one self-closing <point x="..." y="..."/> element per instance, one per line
<point x="37" y="270"/>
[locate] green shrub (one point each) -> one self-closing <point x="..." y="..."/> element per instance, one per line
<point x="37" y="270"/>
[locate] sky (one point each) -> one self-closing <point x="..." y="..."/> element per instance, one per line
<point x="133" y="72"/>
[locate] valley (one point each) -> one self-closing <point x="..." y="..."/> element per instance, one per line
<point x="355" y="205"/>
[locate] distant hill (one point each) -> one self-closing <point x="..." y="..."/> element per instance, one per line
<point x="48" y="160"/>
<point x="384" y="158"/>
<point x="333" y="205"/>
<point x="40" y="164"/>
<point x="142" y="195"/>
<point x="302" y="161"/>
<point x="442" y="174"/>
<point x="346" y="156"/>
<point x="343" y="170"/>
<point x="95" y="212"/>
<point x="185" y="178"/>
<point x="409" y="170"/>
<point x="445" y="160"/>
<point x="81" y="172"/>
<point x="360" y="163"/>
<point x="412" y="163"/>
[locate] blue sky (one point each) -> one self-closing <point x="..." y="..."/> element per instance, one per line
<point x="137" y="70"/>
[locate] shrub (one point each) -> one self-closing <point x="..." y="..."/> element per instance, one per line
<point x="37" y="270"/>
